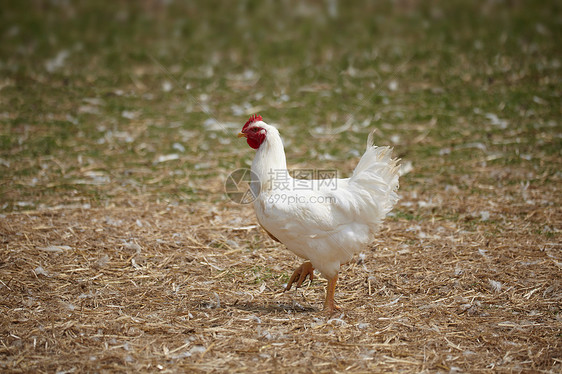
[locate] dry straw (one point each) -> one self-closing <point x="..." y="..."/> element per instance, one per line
<point x="146" y="287"/>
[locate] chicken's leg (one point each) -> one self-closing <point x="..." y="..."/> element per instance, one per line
<point x="330" y="305"/>
<point x="303" y="271"/>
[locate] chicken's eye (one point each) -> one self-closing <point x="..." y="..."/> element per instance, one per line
<point x="255" y="129"/>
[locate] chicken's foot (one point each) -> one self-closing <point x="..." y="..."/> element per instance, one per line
<point x="299" y="275"/>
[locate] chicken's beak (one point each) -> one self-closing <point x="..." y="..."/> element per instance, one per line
<point x="242" y="135"/>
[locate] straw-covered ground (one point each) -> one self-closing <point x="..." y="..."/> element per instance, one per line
<point x="151" y="286"/>
<point x="120" y="251"/>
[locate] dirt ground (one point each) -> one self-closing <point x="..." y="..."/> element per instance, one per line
<point x="146" y="287"/>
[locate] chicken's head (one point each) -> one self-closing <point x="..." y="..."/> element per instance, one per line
<point x="254" y="131"/>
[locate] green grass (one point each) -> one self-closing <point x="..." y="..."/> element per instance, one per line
<point x="438" y="76"/>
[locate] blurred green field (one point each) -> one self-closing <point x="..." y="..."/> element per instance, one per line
<point x="96" y="96"/>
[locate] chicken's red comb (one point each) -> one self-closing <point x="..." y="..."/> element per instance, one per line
<point x="254" y="118"/>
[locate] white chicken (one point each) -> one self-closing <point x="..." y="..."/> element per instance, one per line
<point x="323" y="221"/>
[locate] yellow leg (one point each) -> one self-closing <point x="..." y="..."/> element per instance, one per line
<point x="330" y="305"/>
<point x="303" y="271"/>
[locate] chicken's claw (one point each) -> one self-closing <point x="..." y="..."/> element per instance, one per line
<point x="300" y="274"/>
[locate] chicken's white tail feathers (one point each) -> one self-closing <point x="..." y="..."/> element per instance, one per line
<point x="376" y="175"/>
<point x="381" y="156"/>
<point x="371" y="139"/>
